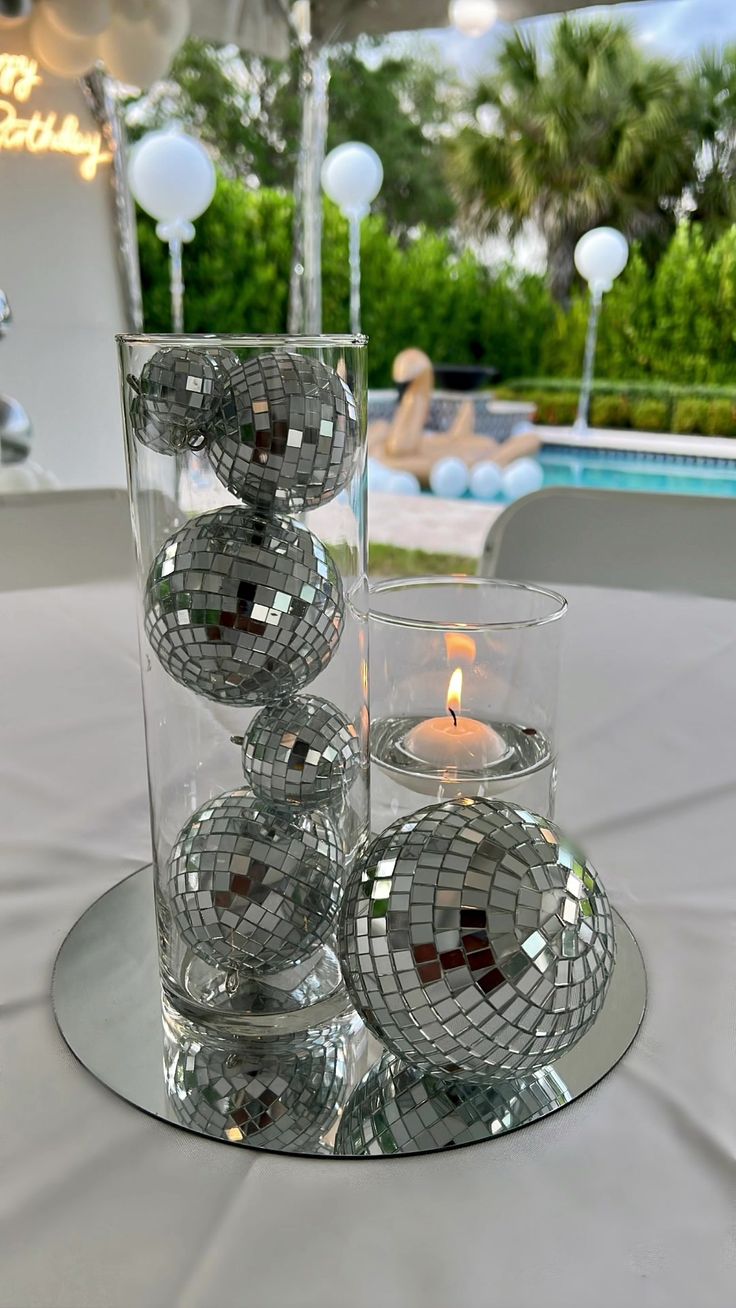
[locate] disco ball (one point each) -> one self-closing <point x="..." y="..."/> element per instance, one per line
<point x="279" y="1093"/>
<point x="289" y="434"/>
<point x="400" y="1110"/>
<point x="302" y="753"/>
<point x="251" y="889"/>
<point x="241" y="608"/>
<point x="178" y="397"/>
<point x="475" y="940"/>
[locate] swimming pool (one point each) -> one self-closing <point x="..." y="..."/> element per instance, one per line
<point x="681" y="474"/>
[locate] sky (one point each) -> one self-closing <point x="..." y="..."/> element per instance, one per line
<point x="678" y="28"/>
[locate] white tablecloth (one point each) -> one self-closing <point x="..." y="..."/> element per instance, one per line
<point x="626" y="1198"/>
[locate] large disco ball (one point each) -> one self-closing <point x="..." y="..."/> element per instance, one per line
<point x="302" y="753"/>
<point x="289" y="435"/>
<point x="475" y="940"/>
<point x="241" y="608"/>
<point x="250" y="889"/>
<point x="400" y="1110"/>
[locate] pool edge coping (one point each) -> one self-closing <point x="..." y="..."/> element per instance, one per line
<point x="641" y="442"/>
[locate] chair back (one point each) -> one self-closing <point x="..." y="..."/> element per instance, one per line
<point x="63" y="538"/>
<point x="632" y="540"/>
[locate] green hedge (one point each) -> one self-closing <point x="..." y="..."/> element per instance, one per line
<point x="675" y="323"/>
<point x="237" y="280"/>
<point x="643" y="406"/>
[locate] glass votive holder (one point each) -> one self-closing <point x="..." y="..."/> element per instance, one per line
<point x="464" y="676"/>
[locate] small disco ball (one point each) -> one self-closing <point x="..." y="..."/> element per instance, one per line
<point x="289" y="433"/>
<point x="400" y="1110"/>
<point x="301" y="754"/>
<point x="243" y="609"/>
<point x="251" y="889"/>
<point x="475" y="940"/>
<point x="149" y="430"/>
<point x="178" y="398"/>
<point x="281" y="1093"/>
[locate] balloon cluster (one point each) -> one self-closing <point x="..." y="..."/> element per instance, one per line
<point x="450" y="478"/>
<point x="135" y="39"/>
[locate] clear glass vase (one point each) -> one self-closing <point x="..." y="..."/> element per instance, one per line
<point x="246" y="464"/>
<point x="464" y="676"/>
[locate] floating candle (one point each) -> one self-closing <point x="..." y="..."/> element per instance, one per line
<point x="454" y="741"/>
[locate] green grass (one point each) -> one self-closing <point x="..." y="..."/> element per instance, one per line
<point x="390" y="561"/>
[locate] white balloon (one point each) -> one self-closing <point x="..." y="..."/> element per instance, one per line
<point x="522" y="478"/>
<point x="378" y="475"/>
<point x="403" y="483"/>
<point x="171" y="19"/>
<point x="133" y="53"/>
<point x="601" y="256"/>
<point x="352" y="176"/>
<point x="65" y="56"/>
<point x="172" y="176"/>
<point x="79" y="17"/>
<point x="485" y="480"/>
<point x="473" y="17"/>
<point x="449" y="478"/>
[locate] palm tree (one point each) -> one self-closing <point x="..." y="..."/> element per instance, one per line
<point x="714" y="191"/>
<point x="583" y="131"/>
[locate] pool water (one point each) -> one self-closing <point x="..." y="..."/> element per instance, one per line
<point x="633" y="471"/>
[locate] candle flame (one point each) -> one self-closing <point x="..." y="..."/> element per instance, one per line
<point x="455" y="692"/>
<point x="459" y="647"/>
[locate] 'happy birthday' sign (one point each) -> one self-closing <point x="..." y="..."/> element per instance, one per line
<point x="42" y="133"/>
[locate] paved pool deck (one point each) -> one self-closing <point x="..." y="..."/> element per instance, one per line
<point x="425" y="522"/>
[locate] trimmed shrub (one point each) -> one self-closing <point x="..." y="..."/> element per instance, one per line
<point x="650" y="414"/>
<point x="612" y="411"/>
<point x="690" y="416"/>
<point x="558" y="410"/>
<point x="720" y="419"/>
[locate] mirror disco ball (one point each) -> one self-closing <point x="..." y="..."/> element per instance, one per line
<point x="288" y="435"/>
<point x="281" y="1093"/>
<point x="179" y="396"/>
<point x="301" y="754"/>
<point x="399" y="1110"/>
<point x="250" y="889"/>
<point x="475" y="941"/>
<point x="241" y="608"/>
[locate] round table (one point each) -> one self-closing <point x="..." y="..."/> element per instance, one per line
<point x="626" y="1198"/>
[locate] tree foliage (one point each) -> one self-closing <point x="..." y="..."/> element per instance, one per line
<point x="248" y="110"/>
<point x="588" y="130"/>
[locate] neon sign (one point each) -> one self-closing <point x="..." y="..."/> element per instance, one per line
<point x="42" y="133"/>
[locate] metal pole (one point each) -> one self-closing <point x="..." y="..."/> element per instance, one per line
<point x="591" y="339"/>
<point x="354" y="256"/>
<point x="176" y="282"/>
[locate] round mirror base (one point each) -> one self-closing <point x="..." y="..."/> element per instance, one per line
<point x="328" y="1091"/>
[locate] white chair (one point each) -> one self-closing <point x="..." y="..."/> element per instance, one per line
<point x="631" y="540"/>
<point x="63" y="538"/>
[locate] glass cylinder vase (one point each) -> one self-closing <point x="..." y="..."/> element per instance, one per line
<point x="464" y="676"/>
<point x="246" y="466"/>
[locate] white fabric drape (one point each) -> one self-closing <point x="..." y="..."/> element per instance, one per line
<point x="625" y="1198"/>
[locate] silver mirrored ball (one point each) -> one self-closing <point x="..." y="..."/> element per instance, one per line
<point x="302" y="753"/>
<point x="278" y="1093"/>
<point x="475" y="940"/>
<point x="400" y="1110"/>
<point x="289" y="434"/>
<point x="178" y="397"/>
<point x="250" y="889"/>
<point x="243" y="609"/>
